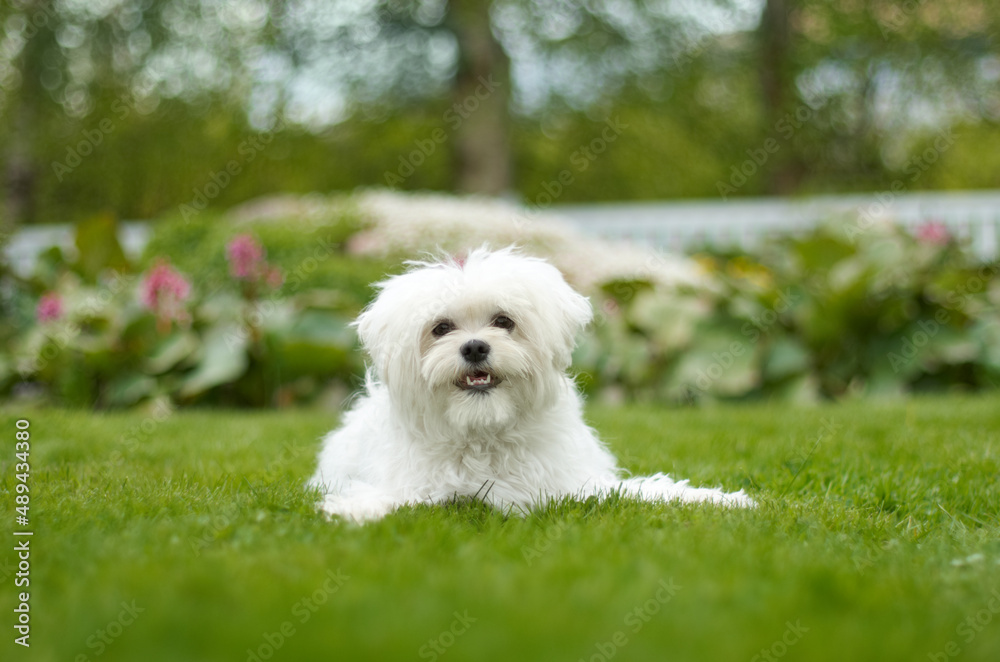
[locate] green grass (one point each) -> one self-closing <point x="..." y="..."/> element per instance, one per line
<point x="878" y="534"/>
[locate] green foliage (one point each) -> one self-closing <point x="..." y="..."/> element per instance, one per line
<point x="98" y="247"/>
<point x="310" y="251"/>
<point x="878" y="531"/>
<point x="690" y="88"/>
<point x="227" y="344"/>
<point x="154" y="162"/>
<point x="838" y="311"/>
<point x="846" y="309"/>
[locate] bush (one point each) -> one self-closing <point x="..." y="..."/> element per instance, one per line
<point x="253" y="308"/>
<point x="823" y="315"/>
<point x="308" y="248"/>
<point x="180" y="325"/>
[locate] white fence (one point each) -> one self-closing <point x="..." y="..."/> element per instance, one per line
<point x="677" y="226"/>
<point x="744" y="223"/>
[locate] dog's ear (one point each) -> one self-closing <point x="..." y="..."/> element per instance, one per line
<point x="385" y="331"/>
<point x="370" y="328"/>
<point x="569" y="312"/>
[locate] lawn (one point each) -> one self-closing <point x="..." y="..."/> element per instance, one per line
<point x="190" y="538"/>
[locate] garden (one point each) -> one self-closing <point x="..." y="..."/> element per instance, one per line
<point x="846" y="382"/>
<point x="252" y="307"/>
<point x="785" y="215"/>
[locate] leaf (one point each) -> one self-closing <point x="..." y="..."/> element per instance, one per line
<point x="721" y="362"/>
<point x="987" y="332"/>
<point x="324" y="327"/>
<point x="171" y="351"/>
<point x="786" y="357"/>
<point x="223" y="360"/>
<point x="6" y="370"/>
<point x="803" y="389"/>
<point x="97" y="242"/>
<point x="129" y="389"/>
<point x="320" y="343"/>
<point x="955" y="348"/>
<point x="886" y="383"/>
<point x="669" y="320"/>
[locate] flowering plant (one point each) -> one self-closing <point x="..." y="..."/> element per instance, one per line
<point x="822" y="314"/>
<point x="50" y="307"/>
<point x="163" y="292"/>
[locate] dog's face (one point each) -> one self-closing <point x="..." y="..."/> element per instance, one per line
<point x="473" y="345"/>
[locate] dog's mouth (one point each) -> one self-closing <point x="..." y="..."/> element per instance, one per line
<point x="478" y="380"/>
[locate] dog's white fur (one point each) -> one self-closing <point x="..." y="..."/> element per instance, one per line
<point x="416" y="436"/>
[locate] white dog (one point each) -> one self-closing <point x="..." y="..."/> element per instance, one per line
<point x="468" y="396"/>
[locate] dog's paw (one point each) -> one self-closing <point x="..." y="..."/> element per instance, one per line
<point x="357" y="509"/>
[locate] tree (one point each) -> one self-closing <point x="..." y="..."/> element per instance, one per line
<point x="480" y="95"/>
<point x="453" y="94"/>
<point x="872" y="78"/>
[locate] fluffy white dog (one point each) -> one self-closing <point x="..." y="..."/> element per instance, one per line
<point x="468" y="395"/>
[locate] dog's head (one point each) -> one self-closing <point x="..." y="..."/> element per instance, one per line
<point x="478" y="341"/>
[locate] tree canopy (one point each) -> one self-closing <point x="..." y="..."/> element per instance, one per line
<point x="140" y="106"/>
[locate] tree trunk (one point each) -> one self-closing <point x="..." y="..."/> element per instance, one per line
<point x="479" y="117"/>
<point x="20" y="173"/>
<point x="777" y="84"/>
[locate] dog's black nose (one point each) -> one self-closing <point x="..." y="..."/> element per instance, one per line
<point x="475" y="351"/>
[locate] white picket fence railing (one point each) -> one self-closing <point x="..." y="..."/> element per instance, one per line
<point x="744" y="223"/>
<point x="682" y="225"/>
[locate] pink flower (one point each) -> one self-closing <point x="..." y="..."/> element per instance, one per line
<point x="933" y="232"/>
<point x="247" y="263"/>
<point x="49" y="308"/>
<point x="164" y="291"/>
<point x="246" y="257"/>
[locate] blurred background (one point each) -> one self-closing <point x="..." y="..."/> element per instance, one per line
<point x="349" y="88"/>
<point x="225" y="178"/>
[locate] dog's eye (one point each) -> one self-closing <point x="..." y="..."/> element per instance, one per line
<point x="503" y="322"/>
<point x="442" y="329"/>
